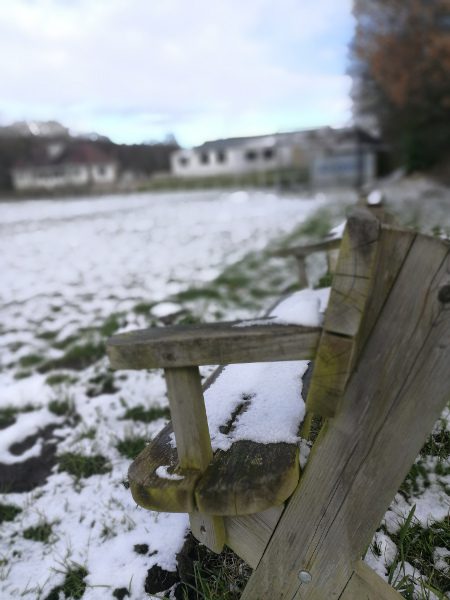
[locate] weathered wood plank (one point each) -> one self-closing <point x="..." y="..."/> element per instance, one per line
<point x="352" y="284"/>
<point x="273" y="469"/>
<point x="213" y="343"/>
<point x="393" y="248"/>
<point x="365" y="584"/>
<point x="301" y="272"/>
<point x="306" y="249"/>
<point x="248" y="478"/>
<point x="249" y="535"/>
<point x="190" y="425"/>
<point x="189" y="421"/>
<point x="330" y="373"/>
<point x="356" y="254"/>
<point x="358" y="463"/>
<point x="353" y="278"/>
<point x="209" y="530"/>
<point x="165" y="494"/>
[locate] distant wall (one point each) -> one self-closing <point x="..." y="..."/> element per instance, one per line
<point x="63" y="176"/>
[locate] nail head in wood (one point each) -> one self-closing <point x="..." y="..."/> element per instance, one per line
<point x="305" y="577"/>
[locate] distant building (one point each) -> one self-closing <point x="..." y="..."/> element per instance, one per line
<point x="329" y="156"/>
<point x="59" y="166"/>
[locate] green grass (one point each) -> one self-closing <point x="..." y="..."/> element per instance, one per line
<point x="8" y="512"/>
<point x="201" y="293"/>
<point x="146" y="415"/>
<point x="78" y="357"/>
<point x="7" y="416"/>
<point x="143" y="308"/>
<point x="416" y="545"/>
<point x="30" y="360"/>
<point x="66" y="342"/>
<point x="438" y="444"/>
<point x="73" y="586"/>
<point x="217" y="577"/>
<point x="130" y="447"/>
<point x="325" y="281"/>
<point x="47" y="335"/>
<point x="101" y="383"/>
<point x="22" y="374"/>
<point x="60" y="407"/>
<point x="81" y="466"/>
<point x="59" y="379"/>
<point x="40" y="533"/>
<point x="111" y="325"/>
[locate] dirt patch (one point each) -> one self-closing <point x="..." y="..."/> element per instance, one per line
<point x="29" y="474"/>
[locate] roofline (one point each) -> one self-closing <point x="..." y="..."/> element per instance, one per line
<point x="242" y="139"/>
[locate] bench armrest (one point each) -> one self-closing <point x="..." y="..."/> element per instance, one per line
<point x="211" y="344"/>
<point x="323" y="246"/>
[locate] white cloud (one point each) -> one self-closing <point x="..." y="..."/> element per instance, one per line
<point x="168" y="65"/>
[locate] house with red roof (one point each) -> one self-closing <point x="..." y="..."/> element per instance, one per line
<point x="63" y="166"/>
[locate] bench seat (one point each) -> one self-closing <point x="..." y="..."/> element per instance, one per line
<point x="254" y="412"/>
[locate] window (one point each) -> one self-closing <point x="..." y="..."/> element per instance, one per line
<point x="251" y="155"/>
<point x="183" y="161"/>
<point x="204" y="158"/>
<point x="221" y="156"/>
<point x="268" y="153"/>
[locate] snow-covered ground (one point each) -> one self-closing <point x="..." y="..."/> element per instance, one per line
<point x="66" y="266"/>
<point x="72" y="273"/>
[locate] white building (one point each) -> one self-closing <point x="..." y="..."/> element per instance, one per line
<point x="329" y="156"/>
<point x="80" y="165"/>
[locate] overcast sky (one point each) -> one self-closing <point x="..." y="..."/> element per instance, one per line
<point x="136" y="70"/>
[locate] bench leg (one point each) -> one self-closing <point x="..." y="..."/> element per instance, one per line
<point x="190" y="425"/>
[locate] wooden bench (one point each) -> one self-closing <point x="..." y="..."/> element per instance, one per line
<point x="379" y="382"/>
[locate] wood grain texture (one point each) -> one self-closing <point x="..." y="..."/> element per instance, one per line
<point x="248" y="478"/>
<point x="307" y="249"/>
<point x="365" y="584"/>
<point x="249" y="535"/>
<point x="210" y="344"/>
<point x="352" y="285"/>
<point x="189" y="421"/>
<point x="330" y="374"/>
<point x="159" y="493"/>
<point x="268" y="486"/>
<point x="301" y="272"/>
<point x="190" y="425"/>
<point x="361" y="458"/>
<point x="209" y="530"/>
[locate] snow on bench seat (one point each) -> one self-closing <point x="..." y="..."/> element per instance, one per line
<point x="254" y="415"/>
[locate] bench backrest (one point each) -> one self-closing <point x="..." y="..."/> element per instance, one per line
<point x="382" y="374"/>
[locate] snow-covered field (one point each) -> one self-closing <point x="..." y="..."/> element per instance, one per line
<point x="72" y="273"/>
<point x="66" y="267"/>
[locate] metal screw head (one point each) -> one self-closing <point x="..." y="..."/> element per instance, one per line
<point x="305" y="577"/>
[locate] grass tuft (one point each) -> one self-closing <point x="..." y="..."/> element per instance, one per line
<point x="73" y="586"/>
<point x="59" y="379"/>
<point x="217" y="577"/>
<point x="77" y="357"/>
<point x="80" y="465"/>
<point x="146" y="415"/>
<point x="8" y="512"/>
<point x="130" y="447"/>
<point x="7" y="416"/>
<point x="60" y="407"/>
<point x="30" y="360"/>
<point x="40" y="533"/>
<point x="416" y="545"/>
